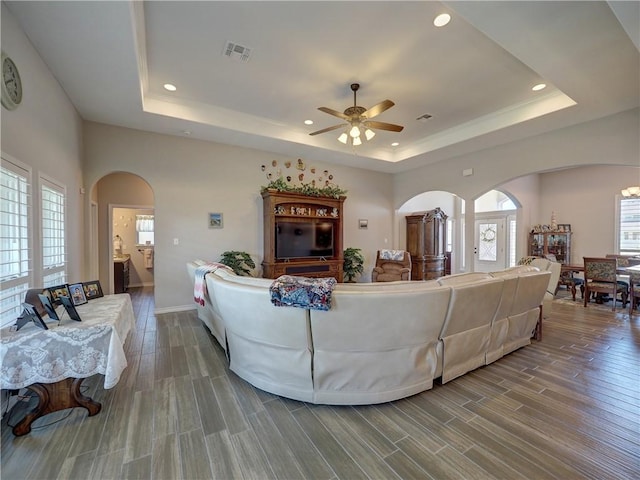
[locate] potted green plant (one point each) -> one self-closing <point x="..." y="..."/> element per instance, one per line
<point x="240" y="262"/>
<point x="353" y="264"/>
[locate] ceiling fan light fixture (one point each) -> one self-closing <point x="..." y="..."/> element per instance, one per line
<point x="369" y="133"/>
<point x="357" y="141"/>
<point x="354" y="132"/>
<point x="343" y="138"/>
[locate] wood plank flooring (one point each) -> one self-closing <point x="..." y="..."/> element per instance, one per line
<point x="563" y="408"/>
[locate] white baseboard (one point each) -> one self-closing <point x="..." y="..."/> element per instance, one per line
<point x="177" y="308"/>
<point x="143" y="284"/>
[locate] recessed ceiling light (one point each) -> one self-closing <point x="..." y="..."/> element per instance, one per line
<point x="395" y="144"/>
<point x="170" y="87"/>
<point x="442" y="19"/>
<point x="308" y="122"/>
<point x="538" y="87"/>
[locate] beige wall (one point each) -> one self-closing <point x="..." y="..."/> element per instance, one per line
<point x="45" y="133"/>
<point x="191" y="178"/>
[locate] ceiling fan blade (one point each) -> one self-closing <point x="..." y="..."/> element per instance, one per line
<point x="378" y="109"/>
<point x="384" y="126"/>
<point x="328" y="129"/>
<point x="335" y="113"/>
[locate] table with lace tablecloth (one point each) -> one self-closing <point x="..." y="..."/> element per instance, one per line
<point x="54" y="362"/>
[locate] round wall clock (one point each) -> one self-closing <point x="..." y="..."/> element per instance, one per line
<point x="11" y="84"/>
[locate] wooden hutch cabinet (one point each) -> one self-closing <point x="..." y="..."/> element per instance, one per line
<point x="302" y="235"/>
<point x="426" y="243"/>
<point x="551" y="243"/>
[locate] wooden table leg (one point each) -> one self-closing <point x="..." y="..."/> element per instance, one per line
<point x="539" y="325"/>
<point x="53" y="397"/>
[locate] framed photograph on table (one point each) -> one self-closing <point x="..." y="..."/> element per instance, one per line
<point x="564" y="227"/>
<point x="56" y="292"/>
<point x="30" y="314"/>
<point x="92" y="289"/>
<point x="76" y="293"/>
<point x="70" y="308"/>
<point x="48" y="307"/>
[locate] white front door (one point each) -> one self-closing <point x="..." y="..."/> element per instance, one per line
<point x="490" y="241"/>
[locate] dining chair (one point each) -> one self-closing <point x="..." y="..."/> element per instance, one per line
<point x="634" y="291"/>
<point x="600" y="277"/>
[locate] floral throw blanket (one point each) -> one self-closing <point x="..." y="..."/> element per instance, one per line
<point x="302" y="292"/>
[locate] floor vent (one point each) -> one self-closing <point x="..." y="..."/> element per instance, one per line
<point x="237" y="52"/>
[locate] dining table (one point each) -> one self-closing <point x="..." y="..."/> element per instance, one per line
<point x="567" y="271"/>
<point x="53" y="362"/>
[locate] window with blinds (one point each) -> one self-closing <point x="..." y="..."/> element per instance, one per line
<point x="145" y="229"/>
<point x="53" y="233"/>
<point x="629" y="226"/>
<point x="15" y="242"/>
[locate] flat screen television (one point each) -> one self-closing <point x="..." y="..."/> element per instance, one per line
<point x="312" y="239"/>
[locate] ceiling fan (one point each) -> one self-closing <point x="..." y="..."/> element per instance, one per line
<point x="359" y="120"/>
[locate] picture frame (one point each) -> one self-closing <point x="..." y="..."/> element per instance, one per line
<point x="76" y="293"/>
<point x="48" y="307"/>
<point x="363" y="223"/>
<point x="215" y="220"/>
<point x="56" y="292"/>
<point x="70" y="308"/>
<point x="30" y="314"/>
<point x="92" y="289"/>
<point x="564" y="227"/>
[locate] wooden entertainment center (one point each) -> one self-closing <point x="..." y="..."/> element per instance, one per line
<point x="317" y="221"/>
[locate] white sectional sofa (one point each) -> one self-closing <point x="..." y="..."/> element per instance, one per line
<point x="379" y="341"/>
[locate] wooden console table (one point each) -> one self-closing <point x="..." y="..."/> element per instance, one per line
<point x="53" y="363"/>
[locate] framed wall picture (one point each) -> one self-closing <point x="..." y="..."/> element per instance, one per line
<point x="92" y="289"/>
<point x="56" y="292"/>
<point x="215" y="220"/>
<point x="363" y="223"/>
<point x="77" y="295"/>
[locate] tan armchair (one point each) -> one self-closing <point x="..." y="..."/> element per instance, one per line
<point x="391" y="266"/>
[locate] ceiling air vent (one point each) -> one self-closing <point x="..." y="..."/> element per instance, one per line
<point x="237" y="52"/>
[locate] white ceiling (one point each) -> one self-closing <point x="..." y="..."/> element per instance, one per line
<point x="474" y="76"/>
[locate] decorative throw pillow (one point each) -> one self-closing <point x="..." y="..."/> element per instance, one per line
<point x="526" y="260"/>
<point x="397" y="255"/>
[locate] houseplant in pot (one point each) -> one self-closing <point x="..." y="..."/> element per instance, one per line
<point x="353" y="264"/>
<point x="240" y="262"/>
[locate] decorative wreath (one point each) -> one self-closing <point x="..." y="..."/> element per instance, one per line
<point x="489" y="235"/>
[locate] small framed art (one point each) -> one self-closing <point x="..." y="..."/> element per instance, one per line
<point x="215" y="220"/>
<point x="92" y="289"/>
<point x="56" y="292"/>
<point x="77" y="294"/>
<point x="363" y="223"/>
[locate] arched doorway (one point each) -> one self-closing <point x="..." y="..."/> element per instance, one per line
<point x="118" y="199"/>
<point x="453" y="207"/>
